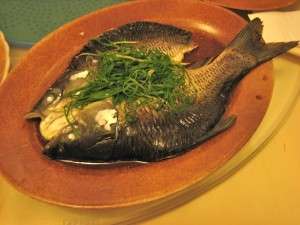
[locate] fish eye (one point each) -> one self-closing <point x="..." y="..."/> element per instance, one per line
<point x="71" y="136"/>
<point x="50" y="98"/>
<point x="52" y="95"/>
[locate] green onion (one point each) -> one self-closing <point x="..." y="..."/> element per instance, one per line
<point x="136" y="76"/>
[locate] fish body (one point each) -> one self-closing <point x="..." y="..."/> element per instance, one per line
<point x="154" y="135"/>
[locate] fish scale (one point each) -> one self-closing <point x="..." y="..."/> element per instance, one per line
<point x="171" y="40"/>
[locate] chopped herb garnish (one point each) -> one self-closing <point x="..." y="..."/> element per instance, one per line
<point x="136" y="76"/>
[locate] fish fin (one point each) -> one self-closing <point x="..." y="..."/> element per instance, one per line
<point x="250" y="40"/>
<point x="274" y="49"/>
<point x="221" y="126"/>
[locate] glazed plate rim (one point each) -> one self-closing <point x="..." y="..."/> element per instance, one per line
<point x="253" y="5"/>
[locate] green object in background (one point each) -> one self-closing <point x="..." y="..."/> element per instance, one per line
<point x="24" y="22"/>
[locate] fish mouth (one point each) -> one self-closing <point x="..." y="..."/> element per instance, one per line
<point x="33" y="115"/>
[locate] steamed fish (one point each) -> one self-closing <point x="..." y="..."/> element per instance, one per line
<point x="127" y="95"/>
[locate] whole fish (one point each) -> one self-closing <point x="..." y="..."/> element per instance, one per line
<point x="103" y="134"/>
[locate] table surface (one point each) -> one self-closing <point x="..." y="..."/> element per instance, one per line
<point x="264" y="191"/>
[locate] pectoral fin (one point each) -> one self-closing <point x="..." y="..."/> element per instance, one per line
<point x="221" y="126"/>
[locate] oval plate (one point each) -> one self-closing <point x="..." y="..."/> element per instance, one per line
<point x="256" y="5"/>
<point x="22" y="163"/>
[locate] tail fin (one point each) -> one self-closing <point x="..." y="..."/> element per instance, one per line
<point x="250" y="40"/>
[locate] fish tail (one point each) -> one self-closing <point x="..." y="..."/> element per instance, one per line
<point x="250" y="40"/>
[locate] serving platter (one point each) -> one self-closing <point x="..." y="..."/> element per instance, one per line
<point x="22" y="163"/>
<point x="255" y="5"/>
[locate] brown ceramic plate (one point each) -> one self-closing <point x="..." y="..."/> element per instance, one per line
<point x="256" y="5"/>
<point x="21" y="161"/>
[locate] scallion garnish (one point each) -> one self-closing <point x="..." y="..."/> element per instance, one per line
<point x="136" y="76"/>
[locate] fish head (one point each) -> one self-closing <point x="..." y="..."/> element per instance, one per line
<point x="47" y="102"/>
<point x="52" y="99"/>
<point x="94" y="129"/>
<point x="83" y="130"/>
